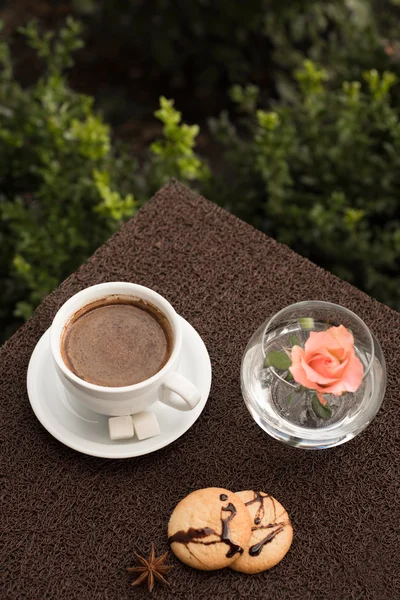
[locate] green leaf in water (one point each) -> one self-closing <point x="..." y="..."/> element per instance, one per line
<point x="322" y="411"/>
<point x="278" y="360"/>
<point x="306" y="323"/>
<point x="289" y="376"/>
<point x="290" y="397"/>
<point x="294" y="340"/>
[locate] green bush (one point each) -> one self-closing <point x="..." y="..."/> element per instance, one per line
<point x="345" y="38"/>
<point x="200" y="43"/>
<point x="321" y="174"/>
<point x="64" y="185"/>
<point x="204" y="44"/>
<point x="57" y="173"/>
<point x="171" y="156"/>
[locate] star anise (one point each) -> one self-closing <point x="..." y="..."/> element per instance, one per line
<point x="151" y="569"/>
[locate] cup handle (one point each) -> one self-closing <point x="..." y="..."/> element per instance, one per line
<point x="176" y="383"/>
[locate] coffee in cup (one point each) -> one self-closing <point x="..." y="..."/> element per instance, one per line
<point x="116" y="348"/>
<point x="117" y="341"/>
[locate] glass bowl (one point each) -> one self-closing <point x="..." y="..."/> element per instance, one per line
<point x="293" y="414"/>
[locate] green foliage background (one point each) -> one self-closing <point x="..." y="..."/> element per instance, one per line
<point x="321" y="175"/>
<point x="56" y="169"/>
<point x="64" y="185"/>
<point x="309" y="143"/>
<point x="204" y="43"/>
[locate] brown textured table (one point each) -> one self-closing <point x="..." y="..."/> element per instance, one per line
<point x="70" y="523"/>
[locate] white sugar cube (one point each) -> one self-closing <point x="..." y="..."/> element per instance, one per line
<point x="146" y="425"/>
<point x="121" y="428"/>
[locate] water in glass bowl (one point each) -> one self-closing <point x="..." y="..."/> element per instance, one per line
<point x="284" y="409"/>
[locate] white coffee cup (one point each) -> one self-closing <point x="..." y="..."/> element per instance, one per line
<point x="166" y="385"/>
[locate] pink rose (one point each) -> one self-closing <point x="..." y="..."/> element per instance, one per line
<point x="328" y="363"/>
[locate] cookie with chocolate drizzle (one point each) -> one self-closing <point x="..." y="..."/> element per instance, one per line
<point x="209" y="529"/>
<point x="271" y="533"/>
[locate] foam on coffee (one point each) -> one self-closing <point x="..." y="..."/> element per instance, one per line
<point x="117" y="341"/>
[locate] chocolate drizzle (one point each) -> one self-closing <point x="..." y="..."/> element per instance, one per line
<point x="256" y="549"/>
<point x="226" y="533"/>
<point x="269" y="526"/>
<point x="261" y="509"/>
<point x="192" y="535"/>
<point x="196" y="536"/>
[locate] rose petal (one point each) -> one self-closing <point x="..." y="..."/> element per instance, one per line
<point x="337" y="388"/>
<point x="300" y="377"/>
<point x="343" y="337"/>
<point x="328" y="363"/>
<point x="339" y="369"/>
<point x="316" y="376"/>
<point x="332" y="356"/>
<point x="353" y="375"/>
<point x="296" y="354"/>
<point x="333" y="369"/>
<point x="321" y="339"/>
<point x="296" y="368"/>
<point x="324" y="370"/>
<point x="340" y="354"/>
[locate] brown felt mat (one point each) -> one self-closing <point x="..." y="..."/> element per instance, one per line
<point x="71" y="523"/>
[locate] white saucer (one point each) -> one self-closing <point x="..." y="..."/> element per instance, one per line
<point x="86" y="431"/>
